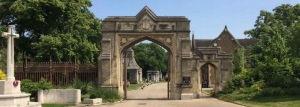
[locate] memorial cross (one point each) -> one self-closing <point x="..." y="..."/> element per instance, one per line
<point x="10" y="52"/>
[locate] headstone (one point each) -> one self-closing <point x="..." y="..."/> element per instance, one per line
<point x="10" y="92"/>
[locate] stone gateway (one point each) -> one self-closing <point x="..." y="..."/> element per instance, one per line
<point x="188" y="58"/>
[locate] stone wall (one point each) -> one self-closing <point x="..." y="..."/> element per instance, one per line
<point x="226" y="42"/>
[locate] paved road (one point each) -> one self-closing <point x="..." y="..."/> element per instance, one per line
<point x="155" y="96"/>
<point x="153" y="91"/>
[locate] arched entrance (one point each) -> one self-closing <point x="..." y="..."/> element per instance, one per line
<point x="135" y="41"/>
<point x="208" y="75"/>
<point x="122" y="32"/>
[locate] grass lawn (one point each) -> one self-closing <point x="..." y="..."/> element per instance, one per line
<point x="134" y="86"/>
<point x="207" y="91"/>
<point x="57" y="105"/>
<point x="275" y="101"/>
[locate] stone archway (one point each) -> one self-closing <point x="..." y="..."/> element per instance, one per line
<point x="221" y="63"/>
<point x="136" y="38"/>
<point x="170" y="32"/>
<point x="122" y="32"/>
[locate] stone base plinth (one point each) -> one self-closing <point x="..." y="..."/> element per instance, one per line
<point x="97" y="101"/>
<point x="175" y="96"/>
<point x="187" y="96"/>
<point x="17" y="100"/>
<point x="59" y="96"/>
<point x="7" y="88"/>
<point x="11" y="96"/>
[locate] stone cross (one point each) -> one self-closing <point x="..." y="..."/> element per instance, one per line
<point x="10" y="52"/>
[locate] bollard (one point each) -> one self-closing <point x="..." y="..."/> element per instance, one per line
<point x="143" y="86"/>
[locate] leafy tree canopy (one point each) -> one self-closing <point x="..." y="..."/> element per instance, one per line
<point x="37" y="18"/>
<point x="150" y="56"/>
<point x="277" y="50"/>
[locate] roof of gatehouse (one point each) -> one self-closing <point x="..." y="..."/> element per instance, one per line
<point x="209" y="42"/>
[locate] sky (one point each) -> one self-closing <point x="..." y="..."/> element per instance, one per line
<point x="208" y="17"/>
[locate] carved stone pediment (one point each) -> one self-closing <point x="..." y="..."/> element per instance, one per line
<point x="145" y="24"/>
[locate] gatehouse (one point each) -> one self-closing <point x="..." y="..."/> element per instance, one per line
<point x="191" y="61"/>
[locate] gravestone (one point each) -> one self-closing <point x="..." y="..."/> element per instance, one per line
<point x="10" y="92"/>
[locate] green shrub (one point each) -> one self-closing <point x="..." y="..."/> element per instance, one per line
<point x="292" y="91"/>
<point x="281" y="81"/>
<point x="29" y="87"/>
<point x="32" y="87"/>
<point x="86" y="96"/>
<point x="233" y="97"/>
<point x="272" y="91"/>
<point x="297" y="83"/>
<point x="245" y="90"/>
<point x="44" y="85"/>
<point x="107" y="95"/>
<point x="256" y="87"/>
<point x="93" y="96"/>
<point x="84" y="87"/>
<point x="166" y="78"/>
<point x="229" y="88"/>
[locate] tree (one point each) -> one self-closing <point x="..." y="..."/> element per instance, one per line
<point x="295" y="38"/>
<point x="286" y="13"/>
<point x="3" y="49"/>
<point x="295" y="47"/>
<point x="277" y="52"/>
<point x="270" y="55"/>
<point x="237" y="60"/>
<point x="64" y="48"/>
<point x="37" y="18"/>
<point x="150" y="56"/>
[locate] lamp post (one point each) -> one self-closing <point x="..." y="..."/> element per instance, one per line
<point x="126" y="55"/>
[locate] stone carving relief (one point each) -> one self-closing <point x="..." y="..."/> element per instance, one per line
<point x="145" y="24"/>
<point x="123" y="40"/>
<point x="168" y="40"/>
<point x="126" y="26"/>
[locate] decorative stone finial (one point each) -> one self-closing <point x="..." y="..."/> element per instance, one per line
<point x="225" y="28"/>
<point x="193" y="42"/>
